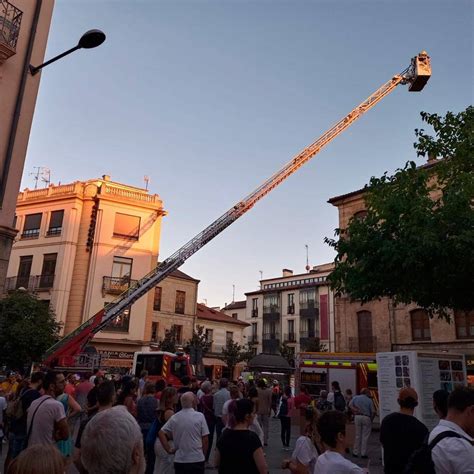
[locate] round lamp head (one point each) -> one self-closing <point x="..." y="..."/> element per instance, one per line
<point x="91" y="39"/>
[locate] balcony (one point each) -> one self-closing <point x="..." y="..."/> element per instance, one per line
<point x="290" y="337"/>
<point x="308" y="334"/>
<point x="271" y="314"/>
<point x="365" y="344"/>
<point x="309" y="311"/>
<point x="291" y="309"/>
<point x="253" y="339"/>
<point x="30" y="283"/>
<point x="255" y="313"/>
<point x="10" y="23"/>
<point x="271" y="343"/>
<point x="116" y="285"/>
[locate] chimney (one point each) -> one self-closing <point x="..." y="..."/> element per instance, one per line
<point x="287" y="273"/>
<point x="106" y="177"/>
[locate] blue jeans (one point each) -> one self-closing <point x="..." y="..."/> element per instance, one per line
<point x="17" y="444"/>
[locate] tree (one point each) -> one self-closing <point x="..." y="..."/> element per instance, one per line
<point x="416" y="242"/>
<point x="169" y="342"/>
<point x="28" y="328"/>
<point x="313" y="344"/>
<point x="233" y="353"/>
<point x="199" y="341"/>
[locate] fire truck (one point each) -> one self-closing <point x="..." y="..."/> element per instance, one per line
<point x="317" y="370"/>
<point x="72" y="348"/>
<point x="163" y="365"/>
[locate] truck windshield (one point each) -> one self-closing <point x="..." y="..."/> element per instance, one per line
<point x="153" y="363"/>
<point x="179" y="367"/>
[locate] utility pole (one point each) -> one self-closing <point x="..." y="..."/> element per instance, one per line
<point x="233" y="293"/>
<point x="307" y="259"/>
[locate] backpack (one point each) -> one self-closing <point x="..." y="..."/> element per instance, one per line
<point x="15" y="407"/>
<point x="339" y="401"/>
<point x="283" y="407"/>
<point x="421" y="462"/>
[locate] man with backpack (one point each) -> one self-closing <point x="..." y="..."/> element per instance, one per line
<point x="336" y="397"/>
<point x="451" y="441"/>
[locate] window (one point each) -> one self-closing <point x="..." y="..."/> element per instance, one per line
<point x="209" y="336"/>
<point x="178" y="331"/>
<point x="56" y="223"/>
<point x="420" y="325"/>
<point x="307" y="298"/>
<point x="254" y="330"/>
<point x="271" y="303"/>
<point x="307" y="327"/>
<point x="291" y="326"/>
<point x="291" y="303"/>
<point x="464" y="321"/>
<point x="121" y="323"/>
<point x="31" y="229"/>
<point x="154" y="332"/>
<point x="24" y="271"/>
<point x="229" y="336"/>
<point x="157" y="299"/>
<point x="270" y="330"/>
<point x="364" y="327"/>
<point x="126" y="226"/>
<point x="122" y="268"/>
<point x="254" y="307"/>
<point x="47" y="273"/>
<point x="180" y="301"/>
<point x="235" y="315"/>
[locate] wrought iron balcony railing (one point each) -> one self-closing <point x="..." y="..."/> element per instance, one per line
<point x="116" y="285"/>
<point x="29" y="283"/>
<point x="290" y="337"/>
<point x="10" y="23"/>
<point x="253" y="339"/>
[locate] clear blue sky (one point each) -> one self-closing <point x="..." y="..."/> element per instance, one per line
<point x="209" y="98"/>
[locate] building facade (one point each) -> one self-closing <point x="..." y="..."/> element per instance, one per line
<point x="236" y="310"/>
<point x="380" y="325"/>
<point x="79" y="246"/>
<point x="291" y="309"/>
<point x="24" y="29"/>
<point x="219" y="329"/>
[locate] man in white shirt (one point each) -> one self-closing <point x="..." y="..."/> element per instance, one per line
<point x="455" y="455"/>
<point x="46" y="421"/>
<point x="332" y="429"/>
<point x="188" y="430"/>
<point x="220" y="397"/>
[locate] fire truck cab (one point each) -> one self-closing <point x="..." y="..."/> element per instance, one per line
<point x="163" y="365"/>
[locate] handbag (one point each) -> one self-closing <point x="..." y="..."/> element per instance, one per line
<point x="152" y="433"/>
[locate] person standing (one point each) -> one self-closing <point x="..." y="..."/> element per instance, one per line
<point x="238" y="449"/>
<point x="234" y="395"/>
<point x="188" y="430"/>
<point x="323" y="404"/>
<point x="71" y="408"/>
<point x="363" y="409"/>
<point x="276" y="395"/>
<point x="336" y="397"/>
<point x="440" y="403"/>
<point x="332" y="429"/>
<point x="164" y="462"/>
<point x="46" y="420"/>
<point x="141" y="384"/>
<point x="127" y="398"/>
<point x="453" y="437"/>
<point x="401" y="433"/>
<point x="206" y="407"/>
<point x="220" y="397"/>
<point x="147" y="406"/>
<point x="264" y="409"/>
<point x="285" y="418"/>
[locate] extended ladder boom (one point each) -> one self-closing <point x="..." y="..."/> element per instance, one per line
<point x="416" y="75"/>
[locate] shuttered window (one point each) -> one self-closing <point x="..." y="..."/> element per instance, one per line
<point x="180" y="301"/>
<point x="127" y="226"/>
<point x="56" y="222"/>
<point x="420" y="325"/>
<point x="157" y="299"/>
<point x="31" y="229"/>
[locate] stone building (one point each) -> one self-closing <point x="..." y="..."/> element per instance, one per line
<point x="381" y="326"/>
<point x="24" y="29"/>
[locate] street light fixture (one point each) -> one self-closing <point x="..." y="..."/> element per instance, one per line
<point x="90" y="39"/>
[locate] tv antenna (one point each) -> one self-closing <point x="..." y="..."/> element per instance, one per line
<point x="46" y="176"/>
<point x="307" y="259"/>
<point x="233" y="293"/>
<point x="40" y="172"/>
<point x="147" y="180"/>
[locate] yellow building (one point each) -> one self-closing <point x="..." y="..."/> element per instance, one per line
<point x="80" y="245"/>
<point x="24" y="29"/>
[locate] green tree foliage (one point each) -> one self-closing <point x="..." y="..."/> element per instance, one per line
<point x="198" y="341"/>
<point x="233" y="353"/>
<point x="170" y="342"/>
<point x="416" y="243"/>
<point x="27" y="329"/>
<point x="313" y="344"/>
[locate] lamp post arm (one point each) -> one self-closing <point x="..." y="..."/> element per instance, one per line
<point x="35" y="69"/>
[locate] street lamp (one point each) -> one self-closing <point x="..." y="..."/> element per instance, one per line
<point x="90" y="39"/>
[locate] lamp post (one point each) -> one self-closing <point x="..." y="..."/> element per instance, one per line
<point x="90" y="39"/>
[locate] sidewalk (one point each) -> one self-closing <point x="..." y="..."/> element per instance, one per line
<point x="275" y="454"/>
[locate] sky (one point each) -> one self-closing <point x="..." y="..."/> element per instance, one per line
<point x="208" y="98"/>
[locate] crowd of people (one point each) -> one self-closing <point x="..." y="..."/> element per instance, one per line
<point x="127" y="425"/>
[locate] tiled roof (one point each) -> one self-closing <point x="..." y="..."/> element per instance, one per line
<point x="209" y="314"/>
<point x="182" y="276"/>
<point x="237" y="305"/>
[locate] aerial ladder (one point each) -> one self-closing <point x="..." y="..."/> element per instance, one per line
<point x="64" y="351"/>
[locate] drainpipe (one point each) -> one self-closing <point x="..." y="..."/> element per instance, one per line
<point x="19" y="100"/>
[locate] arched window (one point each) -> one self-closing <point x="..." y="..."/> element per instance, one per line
<point x="364" y="329"/>
<point x="420" y="325"/>
<point x="464" y="322"/>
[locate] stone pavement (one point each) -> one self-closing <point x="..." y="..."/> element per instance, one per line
<point x="275" y="454"/>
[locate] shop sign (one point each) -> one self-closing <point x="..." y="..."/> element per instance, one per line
<point x="116" y="355"/>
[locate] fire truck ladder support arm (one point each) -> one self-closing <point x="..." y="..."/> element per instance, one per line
<point x="416" y="76"/>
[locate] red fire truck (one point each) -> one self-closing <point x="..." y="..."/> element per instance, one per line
<point x="163" y="365"/>
<point x="317" y="370"/>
